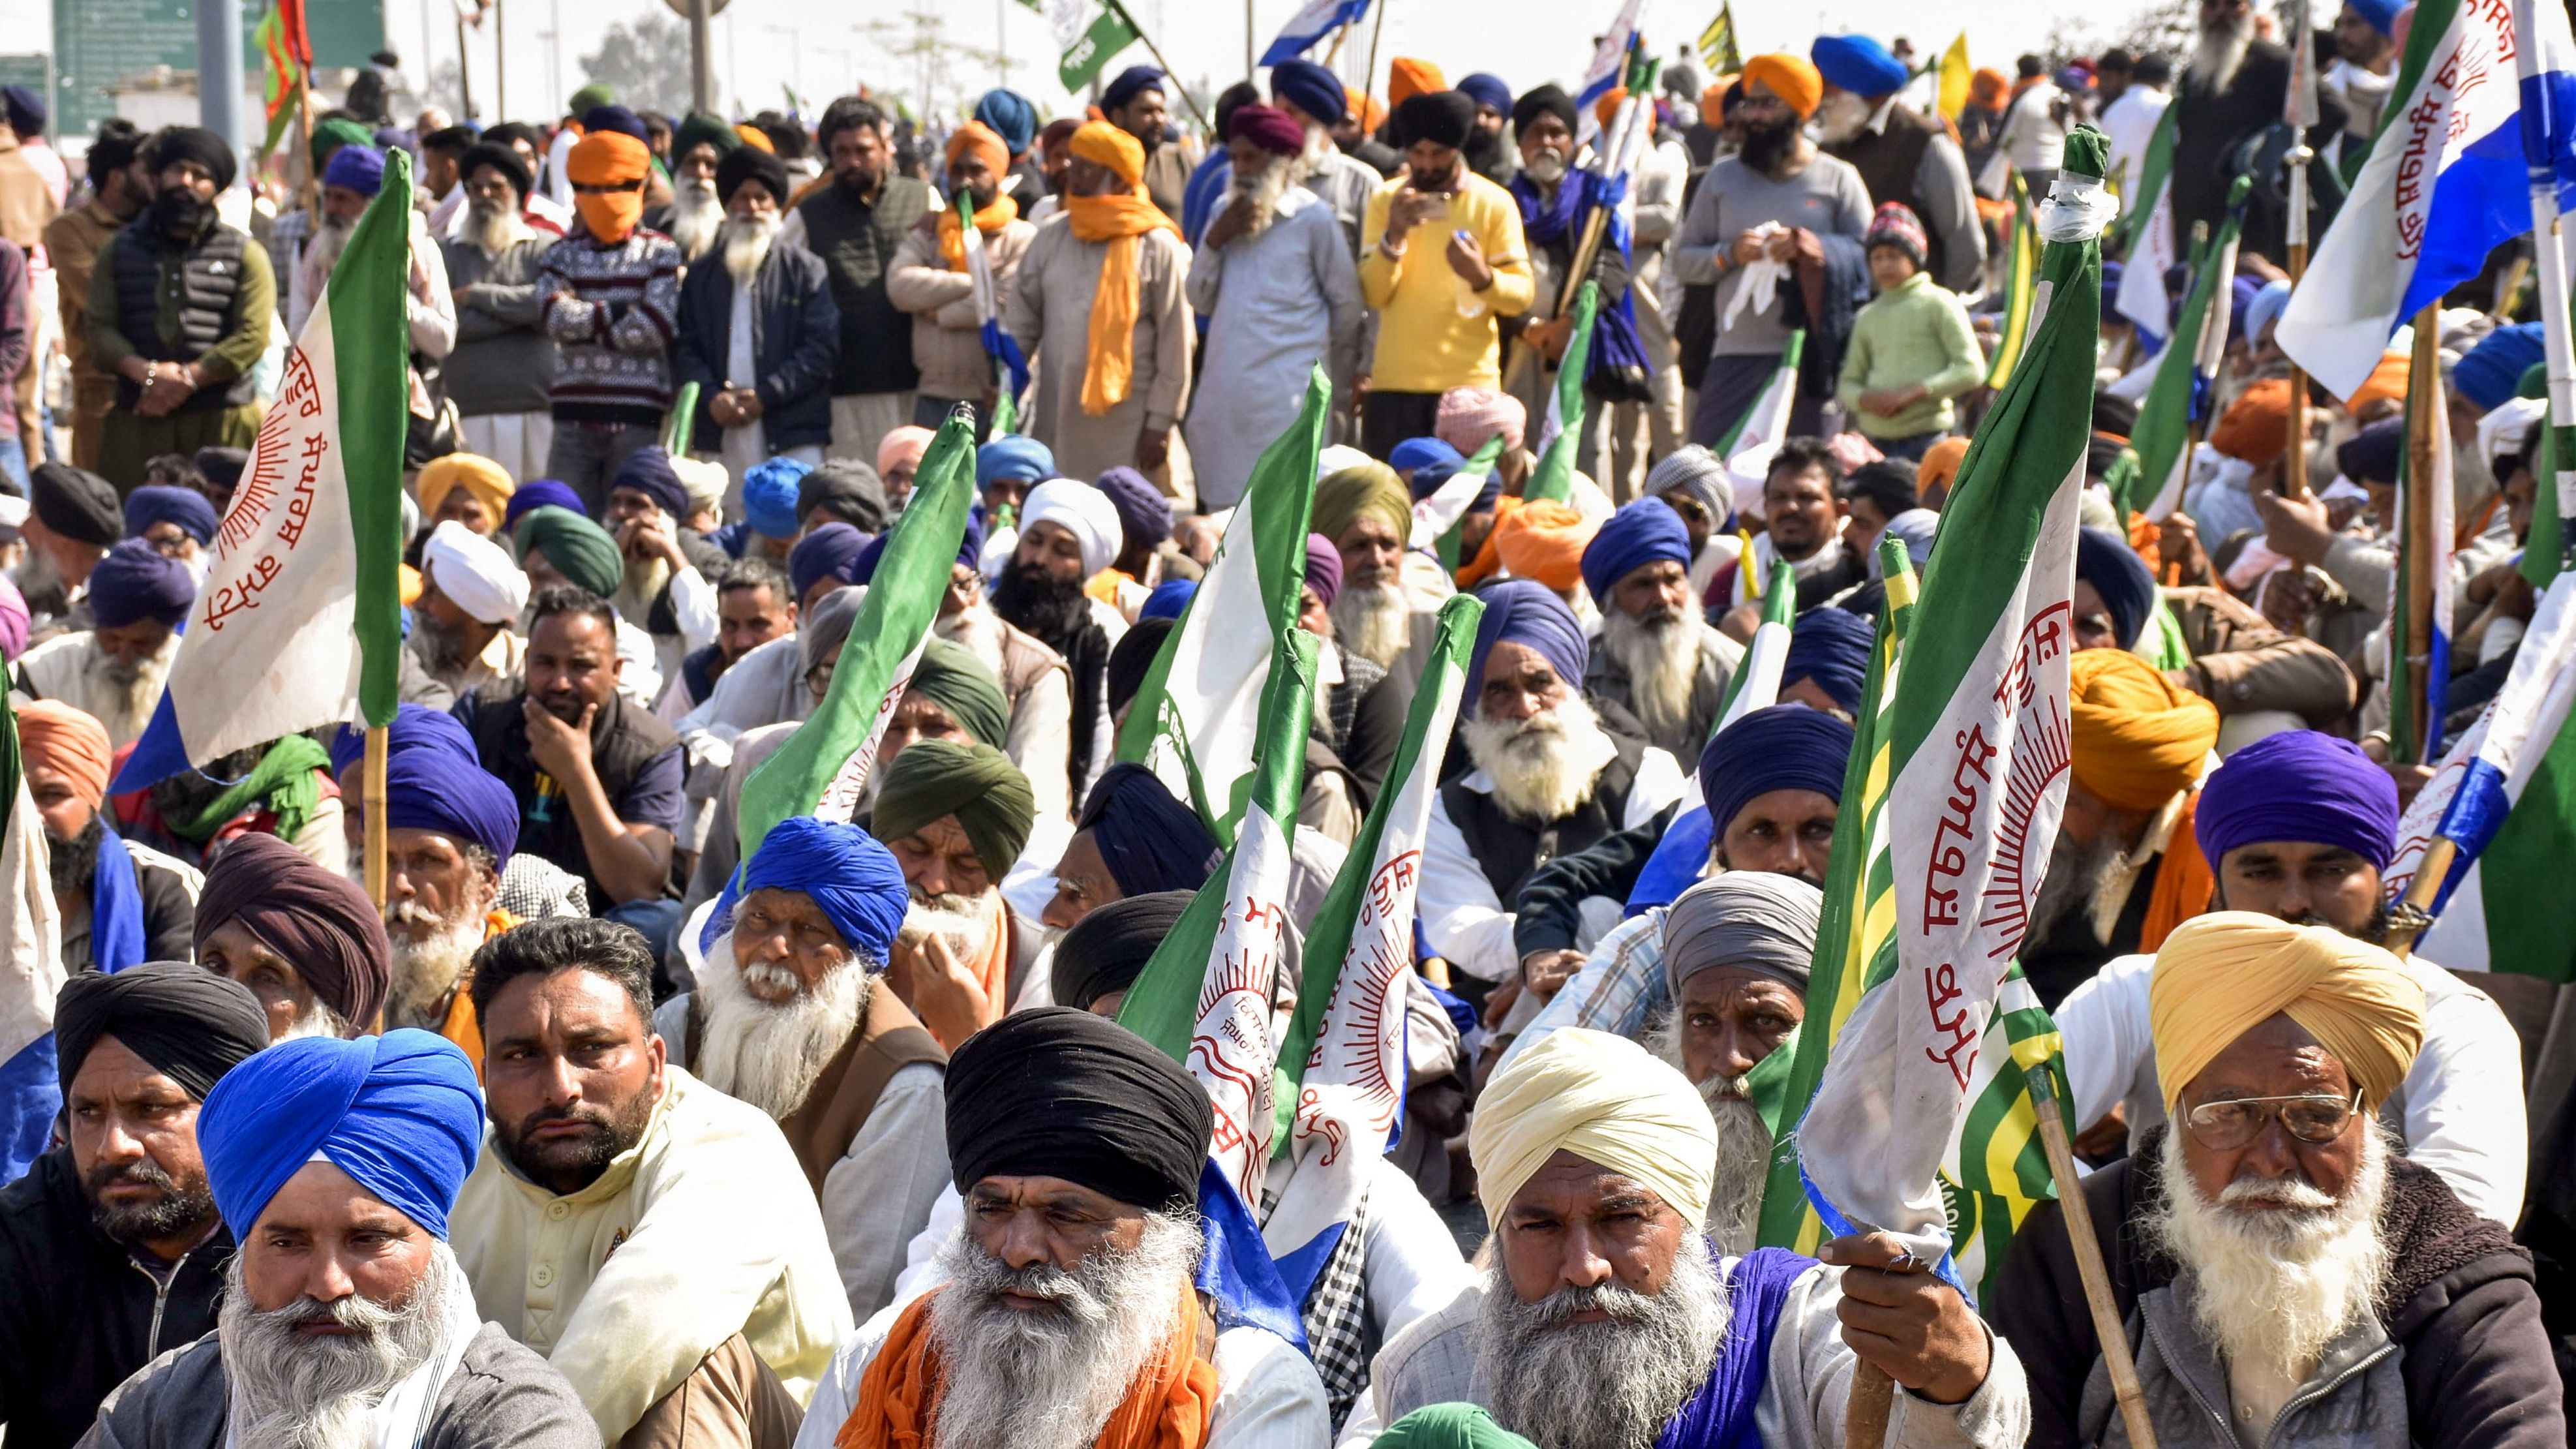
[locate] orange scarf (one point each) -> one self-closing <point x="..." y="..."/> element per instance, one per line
<point x="952" y="239"/>
<point x="1121" y="221"/>
<point x="2184" y="882"/>
<point x="1169" y="1407"/>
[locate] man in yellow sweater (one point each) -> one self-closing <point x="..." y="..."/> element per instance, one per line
<point x="1442" y="262"/>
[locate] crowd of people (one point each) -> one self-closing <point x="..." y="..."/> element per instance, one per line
<point x="594" y="1131"/>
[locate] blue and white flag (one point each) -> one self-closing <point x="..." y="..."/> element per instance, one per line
<point x="2445" y="184"/>
<point x="1609" y="68"/>
<point x="1312" y="22"/>
<point x="1011" y="365"/>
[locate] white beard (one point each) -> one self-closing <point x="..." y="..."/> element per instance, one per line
<point x="318" y="1020"/>
<point x="697" y="215"/>
<point x="1841" y="118"/>
<point x="771" y="1055"/>
<point x="123" y="696"/>
<point x="2273" y="1287"/>
<point x="426" y="969"/>
<point x="643" y="582"/>
<point x="1609" y="1385"/>
<point x="1546" y="168"/>
<point x="1264" y="191"/>
<point x="1373" y="621"/>
<point x="322" y="250"/>
<point x="746" y="245"/>
<point x="293" y="1392"/>
<point x="1542" y="767"/>
<point x="1743" y="1146"/>
<point x="962" y="923"/>
<point x="2214" y="62"/>
<point x="1050" y="1380"/>
<point x="1660" y="655"/>
<point x="494" y="229"/>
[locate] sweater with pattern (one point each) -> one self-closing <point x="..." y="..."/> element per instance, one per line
<point x="613" y="314"/>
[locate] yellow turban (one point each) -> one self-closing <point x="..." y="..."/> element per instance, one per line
<point x="2140" y="739"/>
<point x="2221" y="975"/>
<point x="1608" y="1101"/>
<point x="488" y="481"/>
<point x="1103" y="144"/>
<point x="1363" y="490"/>
<point x="1544" y="540"/>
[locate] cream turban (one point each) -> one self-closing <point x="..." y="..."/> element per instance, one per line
<point x="1603" y="1098"/>
<point x="705" y="482"/>
<point x="476" y="574"/>
<point x="1081" y="510"/>
<point x="2221" y="975"/>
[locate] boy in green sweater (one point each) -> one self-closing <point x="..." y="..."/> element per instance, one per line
<point x="1912" y="348"/>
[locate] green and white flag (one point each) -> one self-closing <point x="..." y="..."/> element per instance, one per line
<point x="1206" y="996"/>
<point x="823" y="767"/>
<point x="31" y="968"/>
<point x="1198" y="717"/>
<point x="1554" y="476"/>
<point x="2162" y="437"/>
<point x="1440" y="519"/>
<point x="2146" y="229"/>
<point x="1088" y="34"/>
<point x="1756" y="684"/>
<point x="1748" y="446"/>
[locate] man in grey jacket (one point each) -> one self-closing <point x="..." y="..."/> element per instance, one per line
<point x="504" y="363"/>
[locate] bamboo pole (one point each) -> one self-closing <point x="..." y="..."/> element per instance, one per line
<point x="373" y="797"/>
<point x="2413" y="916"/>
<point x="1368" y="79"/>
<point x="2424" y="394"/>
<point x="2108" y="1329"/>
<point x="1866" y="1411"/>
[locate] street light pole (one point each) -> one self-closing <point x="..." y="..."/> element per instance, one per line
<point x="702" y="74"/>
<point x="219" y="72"/>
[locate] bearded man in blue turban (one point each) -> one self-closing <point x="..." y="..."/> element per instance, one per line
<point x="1657" y="656"/>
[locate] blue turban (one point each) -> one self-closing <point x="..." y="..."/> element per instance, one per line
<point x="1415" y="453"/>
<point x="2382" y="14"/>
<point x="1169" y="598"/>
<point x="1785" y="747"/>
<point x="825" y="552"/>
<point x="1487" y="89"/>
<point x="414" y="727"/>
<point x="135" y="582"/>
<point x="539" y="493"/>
<point x="846" y="872"/>
<point x="26" y="109"/>
<point x="356" y="168"/>
<point x="1014" y="458"/>
<point x="1528" y="613"/>
<point x="1150" y="840"/>
<point x="1858" y="64"/>
<point x="1914" y="528"/>
<point x="434" y="780"/>
<point x="399" y="1112"/>
<point x="1640" y="533"/>
<point x="862" y="568"/>
<point x="648" y="471"/>
<point x="2112" y="275"/>
<point x="1011" y="117"/>
<point x="160" y="503"/>
<point x="1314" y="89"/>
<point x="1131" y="80"/>
<point x="2299" y="785"/>
<point x="2488" y="374"/>
<point x="2371" y="455"/>
<point x="2105" y="560"/>
<point x="2269" y="303"/>
<point x="1144" y="515"/>
<point x="769" y="493"/>
<point x="2240" y="294"/>
<point x="1830" y="646"/>
<point x="616" y="118"/>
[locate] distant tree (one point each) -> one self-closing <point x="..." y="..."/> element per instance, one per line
<point x="645" y="62"/>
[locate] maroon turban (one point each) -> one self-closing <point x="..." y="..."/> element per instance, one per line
<point x="315" y="919"/>
<point x="1267" y="127"/>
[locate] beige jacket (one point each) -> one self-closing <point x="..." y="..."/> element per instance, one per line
<point x="947" y="341"/>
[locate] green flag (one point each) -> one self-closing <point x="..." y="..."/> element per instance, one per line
<point x="1554" y="476"/>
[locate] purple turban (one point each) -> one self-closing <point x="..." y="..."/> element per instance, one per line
<point x="2299" y="785"/>
<point x="1271" y="129"/>
<point x="648" y="471"/>
<point x="539" y="493"/>
<point x="844" y="870"/>
<point x="826" y="552"/>
<point x="1646" y="531"/>
<point x="1143" y="515"/>
<point x="400" y="1113"/>
<point x="14" y="620"/>
<point x="1150" y="840"/>
<point x="1526" y="612"/>
<point x="1323" y="568"/>
<point x="135" y="582"/>
<point x="1784" y="747"/>
<point x="160" y="503"/>
<point x="356" y="168"/>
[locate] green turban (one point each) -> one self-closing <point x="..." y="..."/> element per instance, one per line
<point x="1449" y="1426"/>
<point x="1363" y="490"/>
<point x="950" y="676"/>
<point x="331" y="135"/>
<point x="579" y="549"/>
<point x="699" y="128"/>
<point x="596" y="93"/>
<point x="976" y="783"/>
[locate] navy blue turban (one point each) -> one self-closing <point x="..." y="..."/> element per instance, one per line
<point x="1640" y="533"/>
<point x="414" y="727"/>
<point x="1858" y="64"/>
<point x="1144" y="516"/>
<point x="435" y="781"/>
<point x="648" y="471"/>
<point x="1130" y="81"/>
<point x="1831" y="647"/>
<point x="1528" y="613"/>
<point x="1011" y="117"/>
<point x="1415" y="453"/>
<point x="136" y="582"/>
<point x="2299" y="785"/>
<point x="1487" y="89"/>
<point x="356" y="168"/>
<point x="2105" y="560"/>
<point x="2488" y="374"/>
<point x="26" y="109"/>
<point x="1785" y="747"/>
<point x="160" y="503"/>
<point x="539" y="493"/>
<point x="616" y="118"/>
<point x="1150" y="841"/>
<point x="399" y="1112"/>
<point x="862" y="567"/>
<point x="1314" y="89"/>
<point x="2370" y="456"/>
<point x="825" y="552"/>
<point x="844" y="870"/>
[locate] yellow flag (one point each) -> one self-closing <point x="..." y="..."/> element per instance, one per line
<point x="1954" y="79"/>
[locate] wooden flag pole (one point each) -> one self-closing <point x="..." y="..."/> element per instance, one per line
<point x="2413" y="915"/>
<point x="1866" y="1412"/>
<point x="373" y="797"/>
<point x="2301" y="114"/>
<point x="2108" y="1329"/>
<point x="2424" y="394"/>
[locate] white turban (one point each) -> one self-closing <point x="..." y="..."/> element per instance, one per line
<point x="476" y="574"/>
<point x="1081" y="510"/>
<point x="704" y="482"/>
<point x="2500" y="432"/>
<point x="1603" y="1098"/>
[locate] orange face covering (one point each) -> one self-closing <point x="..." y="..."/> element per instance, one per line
<point x="1120" y="218"/>
<point x="610" y="158"/>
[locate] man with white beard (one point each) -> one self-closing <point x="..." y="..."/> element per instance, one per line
<point x="1608" y="1321"/>
<point x="759" y="333"/>
<point x="646" y="1233"/>
<point x="791" y="1015"/>
<point x="2280" y="1270"/>
<point x="345" y="1320"/>
<point x="696" y="210"/>
<point x="503" y="364"/>
<point x="1549" y="779"/>
<point x="303" y="937"/>
<point x="349" y="185"/>
<point x="666" y="582"/>
<point x="1656" y="657"/>
<point x="1388" y="607"/>
<point x="1069" y="1316"/>
<point x="113" y="671"/>
<point x="2234" y="86"/>
<point x="956" y="817"/>
<point x="1900" y="155"/>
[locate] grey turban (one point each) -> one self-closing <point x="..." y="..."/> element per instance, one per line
<point x="1757" y="920"/>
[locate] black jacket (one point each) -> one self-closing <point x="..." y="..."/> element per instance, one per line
<point x="77" y="1313"/>
<point x="2459" y="1302"/>
<point x="795" y="343"/>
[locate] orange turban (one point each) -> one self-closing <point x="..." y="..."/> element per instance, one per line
<point x="2386" y="383"/>
<point x="2140" y="739"/>
<point x="1940" y="464"/>
<point x="1407" y="77"/>
<point x="609" y="158"/>
<point x="1607" y="108"/>
<point x="1103" y="144"/>
<point x="1792" y="78"/>
<point x="1370" y="111"/>
<point x="1987" y="86"/>
<point x="54" y="736"/>
<point x="1712" y="104"/>
<point x="755" y="138"/>
<point x="2256" y="427"/>
<point x="978" y="138"/>
<point x="1544" y="540"/>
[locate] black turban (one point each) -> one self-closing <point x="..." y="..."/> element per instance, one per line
<point x="76" y="503"/>
<point x="750" y="163"/>
<point x="2114" y="415"/>
<point x="195" y="143"/>
<point x="2115" y="571"/>
<point x="851" y="490"/>
<point x="316" y="920"/>
<point x="502" y="159"/>
<point x="223" y="467"/>
<point x="1108" y="949"/>
<point x="2369" y="456"/>
<point x="1442" y="118"/>
<point x="1055" y="1092"/>
<point x="189" y="1023"/>
<point x="1150" y="841"/>
<point x="1132" y="658"/>
<point x="1547" y="100"/>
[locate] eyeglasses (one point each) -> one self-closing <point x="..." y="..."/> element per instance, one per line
<point x="2225" y="1126"/>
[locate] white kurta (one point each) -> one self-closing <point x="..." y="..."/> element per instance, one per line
<point x="1277" y="304"/>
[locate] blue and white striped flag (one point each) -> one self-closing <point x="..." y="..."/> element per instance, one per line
<point x="1312" y="22"/>
<point x="1609" y="68"/>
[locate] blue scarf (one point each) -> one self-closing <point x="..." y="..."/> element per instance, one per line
<point x="1720" y="1415"/>
<point x="1547" y="223"/>
<point x="115" y="906"/>
<point x="1615" y="342"/>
